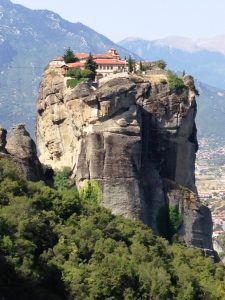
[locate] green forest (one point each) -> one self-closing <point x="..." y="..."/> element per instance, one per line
<point x="56" y="244"/>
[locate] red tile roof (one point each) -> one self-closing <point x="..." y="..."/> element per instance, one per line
<point x="75" y="65"/>
<point x="102" y="56"/>
<point x="81" y="55"/>
<point x="110" y="62"/>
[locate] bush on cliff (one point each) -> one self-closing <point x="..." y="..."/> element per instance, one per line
<point x="72" y="83"/>
<point x="161" y="64"/>
<point x="78" y="73"/>
<point x="74" y="72"/>
<point x="55" y="244"/>
<point x="78" y="76"/>
<point x="61" y="179"/>
<point x="176" y="84"/>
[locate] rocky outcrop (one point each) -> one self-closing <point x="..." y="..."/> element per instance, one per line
<point x="132" y="134"/>
<point x="22" y="150"/>
<point x="196" y="217"/>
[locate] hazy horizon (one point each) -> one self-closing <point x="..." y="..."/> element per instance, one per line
<point x="149" y="20"/>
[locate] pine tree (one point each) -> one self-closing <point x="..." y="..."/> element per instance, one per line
<point x="130" y="65"/>
<point x="141" y="67"/>
<point x="91" y="65"/>
<point x="69" y="56"/>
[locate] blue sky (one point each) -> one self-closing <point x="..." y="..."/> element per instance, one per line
<point x="148" y="19"/>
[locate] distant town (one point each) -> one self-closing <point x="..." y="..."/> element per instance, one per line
<point x="210" y="180"/>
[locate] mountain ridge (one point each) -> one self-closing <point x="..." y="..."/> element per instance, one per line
<point x="214" y="44"/>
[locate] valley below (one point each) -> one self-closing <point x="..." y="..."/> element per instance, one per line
<point x="210" y="181"/>
<point x="210" y="168"/>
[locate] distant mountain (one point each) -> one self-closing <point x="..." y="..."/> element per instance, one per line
<point x="28" y="40"/>
<point x="182" y="54"/>
<point x="216" y="44"/>
<point x="211" y="112"/>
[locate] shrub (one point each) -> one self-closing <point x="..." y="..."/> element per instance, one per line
<point x="176" y="84"/>
<point x="72" y="83"/>
<point x="61" y="179"/>
<point x="163" y="81"/>
<point x="76" y="73"/>
<point x="8" y="170"/>
<point x="91" y="192"/>
<point x="161" y="64"/>
<point x="60" y="245"/>
<point x="86" y="73"/>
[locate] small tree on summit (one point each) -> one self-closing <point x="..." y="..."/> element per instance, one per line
<point x="91" y="66"/>
<point x="141" y="66"/>
<point x="130" y="65"/>
<point x="69" y="56"/>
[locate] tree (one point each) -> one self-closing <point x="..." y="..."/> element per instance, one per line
<point x="74" y="72"/>
<point x="130" y="65"/>
<point x="91" y="65"/>
<point x="175" y="220"/>
<point x="61" y="179"/>
<point x="91" y="192"/>
<point x="161" y="64"/>
<point x="69" y="56"/>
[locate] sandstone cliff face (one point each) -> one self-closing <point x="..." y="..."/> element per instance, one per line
<point x="132" y="135"/>
<point x="22" y="150"/>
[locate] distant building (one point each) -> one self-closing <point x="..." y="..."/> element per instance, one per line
<point x="57" y="62"/>
<point x="204" y="196"/>
<point x="107" y="63"/>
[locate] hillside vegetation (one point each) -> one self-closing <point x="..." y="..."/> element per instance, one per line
<point x="59" y="244"/>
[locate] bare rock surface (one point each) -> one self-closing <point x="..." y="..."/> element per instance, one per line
<point x="22" y="149"/>
<point x="130" y="135"/>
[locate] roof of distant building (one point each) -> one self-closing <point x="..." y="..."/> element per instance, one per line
<point x="111" y="58"/>
<point x="75" y="65"/>
<point x="81" y="55"/>
<point x="59" y="58"/>
<point x="110" y="62"/>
